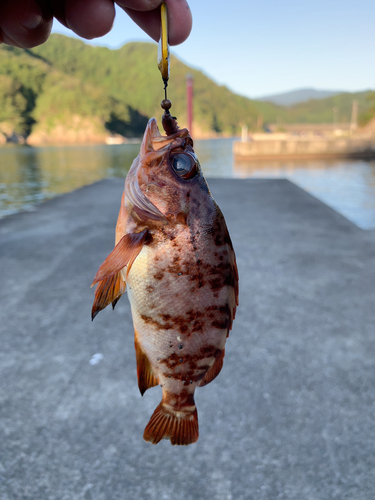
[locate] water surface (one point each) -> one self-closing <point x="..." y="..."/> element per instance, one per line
<point x="29" y="176"/>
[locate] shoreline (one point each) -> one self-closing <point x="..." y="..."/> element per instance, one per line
<point x="126" y="141"/>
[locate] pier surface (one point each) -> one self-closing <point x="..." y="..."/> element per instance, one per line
<point x="291" y="416"/>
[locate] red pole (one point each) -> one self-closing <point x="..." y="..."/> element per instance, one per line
<point x="189" y="102"/>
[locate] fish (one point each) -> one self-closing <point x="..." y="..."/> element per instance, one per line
<point x="174" y="257"/>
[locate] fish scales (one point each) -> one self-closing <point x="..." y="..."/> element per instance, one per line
<point x="175" y="255"/>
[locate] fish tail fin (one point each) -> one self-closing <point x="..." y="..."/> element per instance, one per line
<point x="180" y="427"/>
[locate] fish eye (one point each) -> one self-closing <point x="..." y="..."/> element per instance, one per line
<point x="184" y="165"/>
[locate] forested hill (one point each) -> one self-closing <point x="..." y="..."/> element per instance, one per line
<point x="68" y="91"/>
<point x="65" y="87"/>
<point x="321" y="110"/>
<point x="130" y="75"/>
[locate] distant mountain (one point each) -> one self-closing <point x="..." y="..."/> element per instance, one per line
<point x="322" y="110"/>
<point x="299" y="95"/>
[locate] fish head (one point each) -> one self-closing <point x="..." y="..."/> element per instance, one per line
<point x="165" y="177"/>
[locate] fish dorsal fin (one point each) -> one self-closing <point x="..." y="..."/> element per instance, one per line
<point x="108" y="290"/>
<point x="214" y="371"/>
<point x="145" y="373"/>
<point x="111" y="283"/>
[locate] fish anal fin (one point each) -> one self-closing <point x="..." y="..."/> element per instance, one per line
<point x="107" y="291"/>
<point x="124" y="254"/>
<point x="180" y="427"/>
<point x="145" y="373"/>
<point x="214" y="371"/>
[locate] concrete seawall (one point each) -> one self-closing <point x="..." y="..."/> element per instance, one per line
<point x="291" y="415"/>
<point x="302" y="147"/>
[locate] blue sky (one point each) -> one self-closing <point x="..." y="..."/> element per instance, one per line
<point x="271" y="46"/>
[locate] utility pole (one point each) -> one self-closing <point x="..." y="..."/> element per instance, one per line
<point x="189" y="102"/>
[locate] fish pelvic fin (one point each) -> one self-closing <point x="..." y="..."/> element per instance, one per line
<point x="214" y="371"/>
<point x="145" y="373"/>
<point x="108" y="290"/>
<point x="180" y="427"/>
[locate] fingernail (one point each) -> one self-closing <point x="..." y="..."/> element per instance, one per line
<point x="33" y="16"/>
<point x="32" y="21"/>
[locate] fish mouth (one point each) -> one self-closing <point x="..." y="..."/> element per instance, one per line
<point x="179" y="141"/>
<point x="154" y="141"/>
<point x="153" y="145"/>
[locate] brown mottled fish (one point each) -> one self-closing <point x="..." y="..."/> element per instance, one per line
<point x="174" y="254"/>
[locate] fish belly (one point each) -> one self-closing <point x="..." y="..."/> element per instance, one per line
<point x="180" y="320"/>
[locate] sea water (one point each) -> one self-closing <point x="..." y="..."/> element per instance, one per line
<point x="29" y="176"/>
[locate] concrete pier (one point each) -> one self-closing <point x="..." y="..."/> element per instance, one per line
<point x="291" y="416"/>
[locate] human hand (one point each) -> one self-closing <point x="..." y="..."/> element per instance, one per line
<point x="27" y="23"/>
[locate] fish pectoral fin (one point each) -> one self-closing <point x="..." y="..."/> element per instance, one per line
<point x="180" y="427"/>
<point x="145" y="373"/>
<point x="123" y="255"/>
<point x="108" y="290"/>
<point x="111" y="284"/>
<point x="214" y="371"/>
